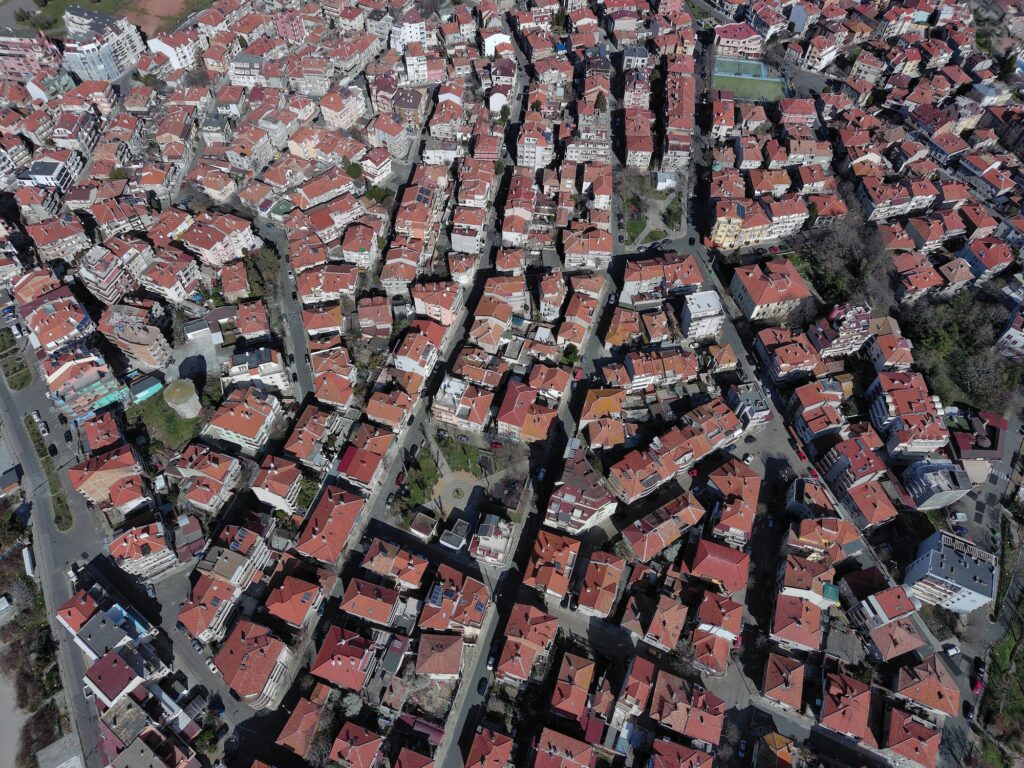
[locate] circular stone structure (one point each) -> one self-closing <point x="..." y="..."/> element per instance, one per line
<point x="454" y="490"/>
<point x="181" y="396"/>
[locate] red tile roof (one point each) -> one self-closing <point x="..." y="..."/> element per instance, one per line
<point x="721" y="565"/>
<point x="247" y="658"/>
<point x="343" y="658"/>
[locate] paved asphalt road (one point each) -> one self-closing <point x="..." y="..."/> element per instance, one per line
<point x="53" y="549"/>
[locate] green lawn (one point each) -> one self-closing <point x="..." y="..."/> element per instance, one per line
<point x="634" y="228"/>
<point x="655" y="234"/>
<point x="18" y="374"/>
<point x="749" y="89"/>
<point x="166" y="428"/>
<point x="461" y="457"/>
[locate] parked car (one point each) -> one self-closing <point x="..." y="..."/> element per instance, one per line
<point x="693" y="240"/>
<point x="541" y="473"/>
<point x="693" y="472"/>
<point x="482" y="686"/>
<point x="196" y="645"/>
<point x="52" y="450"/>
<point x="495" y="445"/>
<point x="150" y="591"/>
<point x="771" y="522"/>
<point x="742" y="751"/>
<point x="979" y="686"/>
<point x="968" y="712"/>
<point x="44" y="430"/>
<point x="748" y="458"/>
<point x="401" y="478"/>
<point x="391" y="499"/>
<point x="462" y="438"/>
<point x="951" y="649"/>
<point x="980" y="667"/>
<point x="491" y="661"/>
<point x="68" y="437"/>
<point x="211" y="666"/>
<point x="958" y="517"/>
<point x="959" y="530"/>
<point x="36" y="417"/>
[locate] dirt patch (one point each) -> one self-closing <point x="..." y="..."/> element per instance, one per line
<point x="152" y="16"/>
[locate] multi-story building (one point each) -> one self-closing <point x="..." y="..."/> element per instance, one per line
<point x="131" y="328"/>
<point x="255" y="665"/>
<point x="952" y="573"/>
<point x="936" y="484"/>
<point x="771" y="292"/>
<point x="100" y="47"/>
<point x="245" y="418"/>
<point x="263" y="367"/>
<point x="581" y="499"/>
<point x="111" y="272"/>
<point x="143" y="551"/>
<point x="703" y="317"/>
<point x="278" y="484"/>
<point x="24" y="54"/>
<point x="907" y="414"/>
<point x="1011" y="341"/>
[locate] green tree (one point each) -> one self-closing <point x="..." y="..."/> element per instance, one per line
<point x="536" y="105"/>
<point x="119" y="173"/>
<point x="505" y="113"/>
<point x="601" y="103"/>
<point x="353" y="169"/>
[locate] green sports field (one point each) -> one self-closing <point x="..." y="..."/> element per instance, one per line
<point x="749" y="88"/>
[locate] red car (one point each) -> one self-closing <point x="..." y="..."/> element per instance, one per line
<point x="801" y="455"/>
<point x="814" y="472"/>
<point x="693" y="473"/>
<point x="979" y="685"/>
<point x="401" y="478"/>
<point x="774" y="249"/>
<point x="495" y="446"/>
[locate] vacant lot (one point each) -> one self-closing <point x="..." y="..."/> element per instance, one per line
<point x="167" y="430"/>
<point x="151" y="16"/>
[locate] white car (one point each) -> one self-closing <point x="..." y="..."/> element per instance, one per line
<point x="748" y="458"/>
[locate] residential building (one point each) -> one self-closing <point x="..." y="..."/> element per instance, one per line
<point x="952" y="573"/>
<point x="100" y="47"/>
